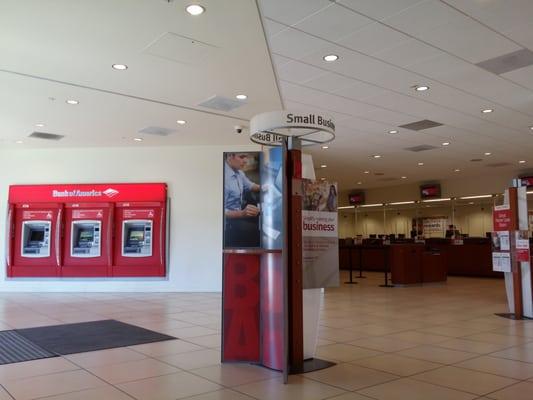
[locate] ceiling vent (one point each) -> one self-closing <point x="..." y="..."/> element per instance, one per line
<point x="157" y="131"/>
<point x="379" y="173"/>
<point x="508" y="62"/>
<point x="220" y="103"/>
<point x="46" y="136"/>
<point x="500" y="164"/>
<point x="422" y="147"/>
<point x="476" y="159"/>
<point x="421" y="125"/>
<point x="388" y="179"/>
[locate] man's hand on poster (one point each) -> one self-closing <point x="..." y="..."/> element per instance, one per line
<point x="250" y="211"/>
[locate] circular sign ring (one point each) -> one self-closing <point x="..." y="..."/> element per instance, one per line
<point x="311" y="128"/>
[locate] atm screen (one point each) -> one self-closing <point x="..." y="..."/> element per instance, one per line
<point x="136" y="235"/>
<point x="36" y="236"/>
<point x="86" y="236"/>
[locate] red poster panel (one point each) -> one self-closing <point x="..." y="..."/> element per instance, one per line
<point x="240" y="318"/>
<point x="501" y="218"/>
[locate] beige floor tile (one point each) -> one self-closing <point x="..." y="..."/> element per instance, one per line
<point x="499" y="366"/>
<point x="398" y="365"/>
<point x="452" y="330"/>
<point x="520" y="391"/>
<point x="339" y="335"/>
<point x="193" y="359"/>
<point x="168" y="387"/>
<point x="417" y="337"/>
<point x="437" y="354"/>
<point x="53" y="384"/>
<point x="408" y="389"/>
<point x="518" y="353"/>
<point x="298" y="388"/>
<point x="210" y="341"/>
<point x="519" y="330"/>
<point x="465" y="380"/>
<point x="132" y="371"/>
<point x="471" y="346"/>
<point x="382" y="344"/>
<point x="344" y="352"/>
<point x="350" y="377"/>
<point x="350" y="396"/>
<point x="102" y="393"/>
<point x="4" y="395"/>
<point x="499" y="339"/>
<point x="104" y="357"/>
<point x="376" y="329"/>
<point x="35" y="368"/>
<point x="166" y="348"/>
<point x="226" y="394"/>
<point x="235" y="374"/>
<point x="184" y="333"/>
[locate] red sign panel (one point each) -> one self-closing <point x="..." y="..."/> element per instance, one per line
<point x="429" y="191"/>
<point x="501" y="218"/>
<point x="88" y="192"/>
<point x="527" y="181"/>
<point x="87" y="214"/>
<point x="129" y="214"/>
<point x="34" y="215"/>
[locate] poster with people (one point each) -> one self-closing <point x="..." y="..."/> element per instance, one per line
<point x="242" y="195"/>
<point x="320" y="234"/>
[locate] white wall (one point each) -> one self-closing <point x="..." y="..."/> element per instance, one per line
<point x="194" y="178"/>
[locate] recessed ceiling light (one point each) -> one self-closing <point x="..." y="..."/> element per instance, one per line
<point x="404" y="177"/>
<point x="376" y="156"/>
<point x="72" y="102"/>
<point x="487" y="110"/>
<point x="522" y="162"/>
<point x="241" y="97"/>
<point x="195" y="9"/>
<point x="323" y="166"/>
<point x="456" y="170"/>
<point x="488" y="153"/>
<point x="445" y="143"/>
<point x="325" y="147"/>
<point x="421" y="88"/>
<point x="359" y="183"/>
<point x="420" y="164"/>
<point x="531" y="127"/>
<point x="39" y="125"/>
<point x="120" y="67"/>
<point x="181" y="122"/>
<point x="138" y="139"/>
<point x="331" y="57"/>
<point x="322" y="179"/>
<point x="19" y="142"/>
<point x="393" y="131"/>
<point x="366" y="172"/>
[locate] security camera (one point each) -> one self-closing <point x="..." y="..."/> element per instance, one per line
<point x="238" y="129"/>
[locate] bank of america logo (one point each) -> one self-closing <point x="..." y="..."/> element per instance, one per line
<point x="110" y="192"/>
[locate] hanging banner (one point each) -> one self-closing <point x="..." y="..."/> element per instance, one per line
<point x="320" y="234"/>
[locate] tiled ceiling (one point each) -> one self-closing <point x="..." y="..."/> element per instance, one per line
<point x="385" y="49"/>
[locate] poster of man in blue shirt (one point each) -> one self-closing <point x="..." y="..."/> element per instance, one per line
<point x="241" y="200"/>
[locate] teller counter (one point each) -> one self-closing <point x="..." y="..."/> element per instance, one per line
<point x="472" y="258"/>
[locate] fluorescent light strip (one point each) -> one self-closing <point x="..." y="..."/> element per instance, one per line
<point x="481" y="196"/>
<point x="530" y="192"/>
<point x="345" y="207"/>
<point x="435" y="200"/>
<point x="371" y="205"/>
<point x="399" y="203"/>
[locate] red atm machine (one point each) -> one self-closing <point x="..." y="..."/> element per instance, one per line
<point x="140" y="239"/>
<point x="34" y="239"/>
<point x="87" y="230"/>
<point x="88" y="239"/>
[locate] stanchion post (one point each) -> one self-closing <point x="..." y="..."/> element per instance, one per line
<point x="350" y="264"/>
<point x="361" y="264"/>
<point x="387" y="266"/>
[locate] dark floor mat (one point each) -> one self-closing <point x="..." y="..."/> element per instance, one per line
<point x="16" y="348"/>
<point x="90" y="336"/>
